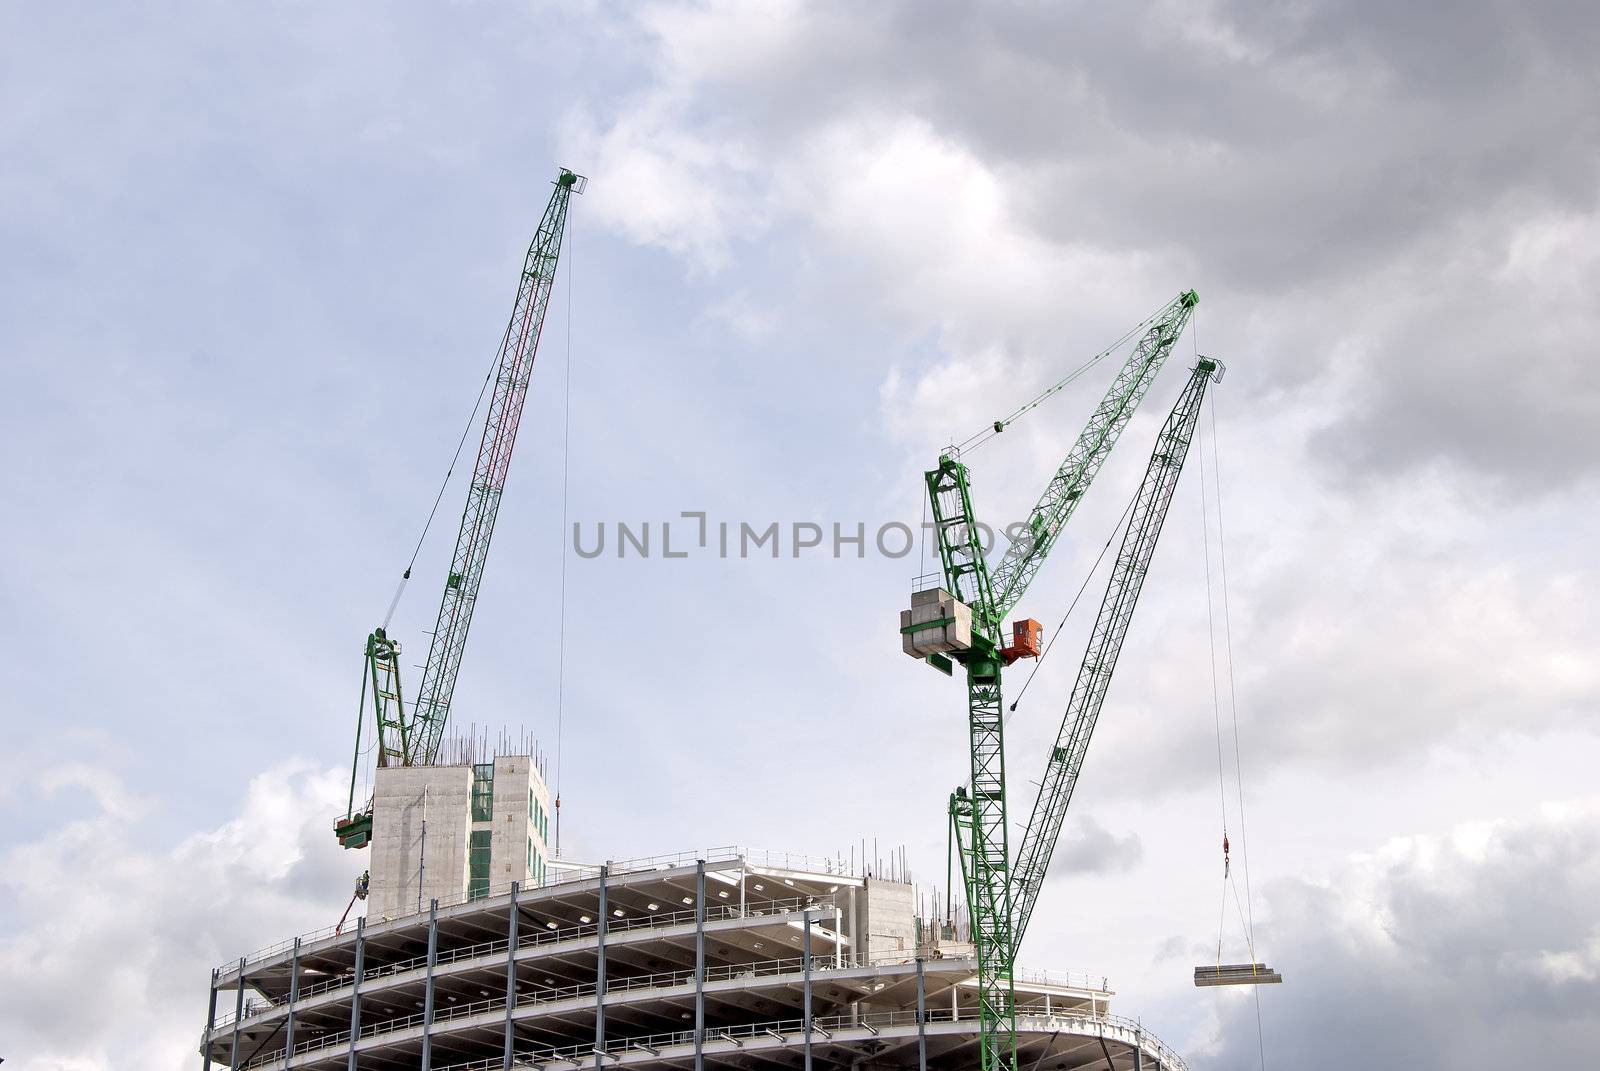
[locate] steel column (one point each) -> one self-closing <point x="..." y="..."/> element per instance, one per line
<point x="355" y="990"/>
<point x="699" y="964"/>
<point x="806" y="951"/>
<point x="600" y="977"/>
<point x="427" y="985"/>
<point x="294" y="996"/>
<point x="922" y="1019"/>
<point x="511" y="974"/>
<point x="211" y="1021"/>
<point x="238" y="1014"/>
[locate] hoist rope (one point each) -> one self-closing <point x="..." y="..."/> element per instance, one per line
<point x="1121" y="521"/>
<point x="1211" y="637"/>
<point x="561" y="643"/>
<point x="1227" y="639"/>
<point x="1249" y="921"/>
<point x="979" y="438"/>
<point x="1244" y="906"/>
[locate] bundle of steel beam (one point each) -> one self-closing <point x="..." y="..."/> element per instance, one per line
<point x="1236" y="974"/>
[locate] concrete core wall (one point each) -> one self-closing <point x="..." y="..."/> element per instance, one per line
<point x="409" y="870"/>
<point x="890" y="916"/>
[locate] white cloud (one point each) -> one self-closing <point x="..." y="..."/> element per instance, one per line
<point x="131" y="934"/>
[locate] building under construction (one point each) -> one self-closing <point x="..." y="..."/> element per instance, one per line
<point x="719" y="959"/>
<point x="480" y="949"/>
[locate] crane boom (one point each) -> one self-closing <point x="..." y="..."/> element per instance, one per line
<point x="410" y="736"/>
<point x="517" y="351"/>
<point x="1043" y="830"/>
<point x="1023" y="557"/>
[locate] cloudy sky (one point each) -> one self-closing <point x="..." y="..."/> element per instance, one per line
<point x="254" y="262"/>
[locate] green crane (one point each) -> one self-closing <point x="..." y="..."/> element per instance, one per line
<point x="1146" y="516"/>
<point x="411" y="736"/>
<point x="964" y="623"/>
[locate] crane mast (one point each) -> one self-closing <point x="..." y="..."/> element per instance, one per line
<point x="411" y="737"/>
<point x="967" y="627"/>
<point x="1065" y="762"/>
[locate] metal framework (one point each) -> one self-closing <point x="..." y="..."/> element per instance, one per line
<point x="978" y="813"/>
<point x="1023" y="557"/>
<point x="720" y="983"/>
<point x="1105" y="644"/>
<point x="411" y="737"/>
<point x="517" y="351"/>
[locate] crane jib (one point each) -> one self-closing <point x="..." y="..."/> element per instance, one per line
<point x="412" y="736"/>
<point x="1149" y="513"/>
<point x="963" y="622"/>
<point x="518" y="351"/>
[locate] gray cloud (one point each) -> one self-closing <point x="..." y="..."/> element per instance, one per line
<point x="1480" y="949"/>
<point x="1347" y="183"/>
<point x="1087" y="847"/>
<point x="1389" y="213"/>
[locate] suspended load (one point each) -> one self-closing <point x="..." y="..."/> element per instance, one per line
<point x="1236" y="974"/>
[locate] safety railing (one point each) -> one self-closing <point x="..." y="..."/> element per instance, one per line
<point x="792" y="966"/>
<point x="1066" y="979"/>
<point x="750" y="909"/>
<point x="788" y="1030"/>
<point x="758" y="857"/>
<point x="1086" y="1024"/>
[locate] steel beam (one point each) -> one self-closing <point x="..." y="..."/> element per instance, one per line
<point x="355" y="990"/>
<point x="922" y="1018"/>
<point x="238" y="1014"/>
<point x="806" y="952"/>
<point x="511" y="975"/>
<point x="699" y="964"/>
<point x="211" y="1022"/>
<point x="600" y="977"/>
<point x="294" y="997"/>
<point x="427" y="985"/>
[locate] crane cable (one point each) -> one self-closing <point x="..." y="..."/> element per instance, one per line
<point x="566" y="443"/>
<point x="455" y="458"/>
<point x="1244" y="906"/>
<point x="1126" y="512"/>
<point x="977" y="439"/>
<point x="1123" y="520"/>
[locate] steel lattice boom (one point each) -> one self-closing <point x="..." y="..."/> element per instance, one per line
<point x="411" y="737"/>
<point x="517" y="351"/>
<point x="1023" y="557"/>
<point x="1105" y="645"/>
